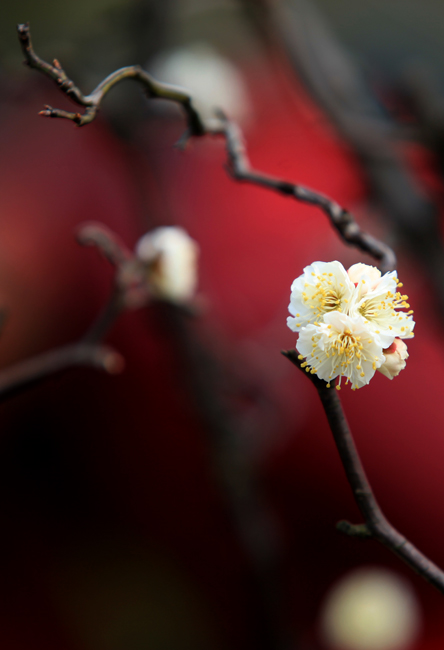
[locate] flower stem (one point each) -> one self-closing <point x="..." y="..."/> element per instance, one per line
<point x="376" y="525"/>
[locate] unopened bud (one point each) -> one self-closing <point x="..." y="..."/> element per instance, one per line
<point x="170" y="257"/>
<point x="395" y="357"/>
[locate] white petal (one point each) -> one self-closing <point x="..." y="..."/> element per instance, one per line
<point x="341" y="346"/>
<point x="323" y="287"/>
<point x="170" y="256"/>
<point x="356" y="272"/>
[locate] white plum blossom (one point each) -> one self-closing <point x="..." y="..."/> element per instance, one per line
<point x="322" y="288"/>
<point x="377" y="299"/>
<point x="341" y="346"/>
<point x="395" y="359"/>
<point x="169" y="256"/>
<point x="350" y="323"/>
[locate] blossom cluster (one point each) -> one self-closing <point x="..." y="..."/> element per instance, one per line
<point x="350" y="323"/>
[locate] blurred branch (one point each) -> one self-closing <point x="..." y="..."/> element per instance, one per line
<point x="115" y="251"/>
<point x="422" y="91"/>
<point x="32" y="371"/>
<point x="234" y="472"/>
<point x="88" y="351"/>
<point x="376" y="525"/>
<point x="238" y="167"/>
<point x="106" y="241"/>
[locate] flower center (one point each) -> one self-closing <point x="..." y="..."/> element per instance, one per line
<point x="368" y="310"/>
<point x="331" y="300"/>
<point x="324" y="296"/>
<point x="348" y="344"/>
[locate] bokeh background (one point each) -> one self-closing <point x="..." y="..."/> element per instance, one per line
<point x="190" y="502"/>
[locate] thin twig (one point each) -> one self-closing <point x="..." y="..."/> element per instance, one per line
<point x="105" y="240"/>
<point x="92" y="102"/>
<point x="238" y="164"/>
<point x="376" y="525"/>
<point x="341" y="219"/>
<point x="88" y="351"/>
<point x="301" y="45"/>
<point x="24" y="375"/>
<point x="106" y="318"/>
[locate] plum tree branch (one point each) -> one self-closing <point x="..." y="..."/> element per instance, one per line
<point x="238" y="163"/>
<point x="342" y="220"/>
<point x="88" y="351"/>
<point x="27" y="373"/>
<point x="92" y="102"/>
<point x="376" y="525"/>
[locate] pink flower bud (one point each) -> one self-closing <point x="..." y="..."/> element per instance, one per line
<point x="395" y="357"/>
<point x="371" y="273"/>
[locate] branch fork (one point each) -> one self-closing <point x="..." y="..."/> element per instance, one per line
<point x="238" y="166"/>
<point x="375" y="526"/>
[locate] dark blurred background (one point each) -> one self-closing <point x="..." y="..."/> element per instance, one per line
<point x="190" y="502"/>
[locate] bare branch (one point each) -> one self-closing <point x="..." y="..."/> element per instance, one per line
<point x="92" y="102"/>
<point x="238" y="164"/>
<point x="88" y="351"/>
<point x="376" y="525"/>
<point x="341" y="219"/>
<point x="106" y="241"/>
<point x="299" y="41"/>
<point x="26" y="374"/>
<point x="359" y="531"/>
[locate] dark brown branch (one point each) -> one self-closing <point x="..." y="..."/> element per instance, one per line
<point x="24" y="375"/>
<point x="87" y="351"/>
<point x="376" y="525"/>
<point x="341" y="219"/>
<point x="115" y="251"/>
<point x="238" y="162"/>
<point x="106" y="318"/>
<point x="106" y="241"/>
<point x="301" y="45"/>
<point x="92" y="102"/>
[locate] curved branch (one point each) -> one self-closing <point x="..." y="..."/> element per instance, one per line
<point x="92" y="102"/>
<point x="376" y="525"/>
<point x="238" y="163"/>
<point x="88" y="351"/>
<point x="29" y="372"/>
<point x="107" y="242"/>
<point x="341" y="219"/>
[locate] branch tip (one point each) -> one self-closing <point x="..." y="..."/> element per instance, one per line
<point x="112" y="362"/>
<point x="360" y="531"/>
<point x="238" y="162"/>
<point x="46" y="112"/>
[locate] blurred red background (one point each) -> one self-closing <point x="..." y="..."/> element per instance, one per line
<point x="116" y="530"/>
